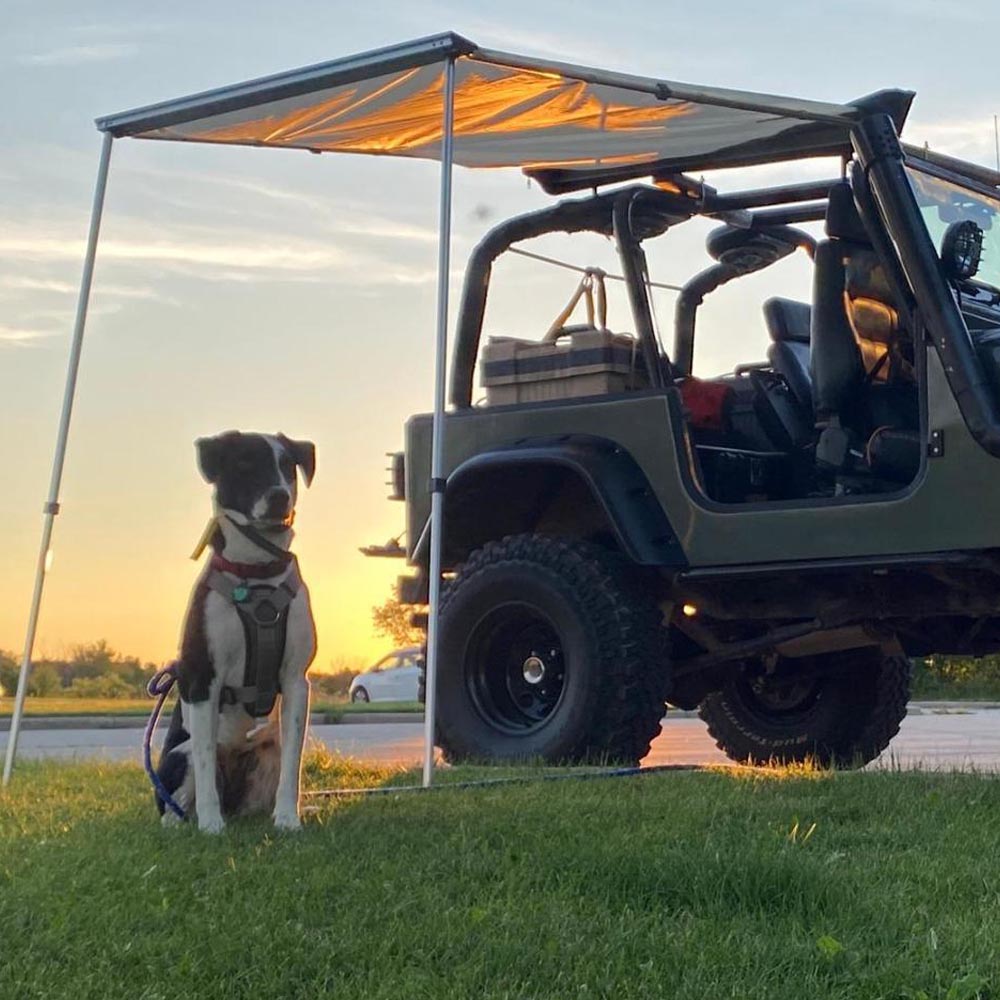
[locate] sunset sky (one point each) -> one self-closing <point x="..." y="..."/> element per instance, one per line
<point x="276" y="290"/>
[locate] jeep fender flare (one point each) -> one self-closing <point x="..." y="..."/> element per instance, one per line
<point x="500" y="492"/>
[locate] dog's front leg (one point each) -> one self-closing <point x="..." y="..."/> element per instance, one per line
<point x="294" y="715"/>
<point x="203" y="725"/>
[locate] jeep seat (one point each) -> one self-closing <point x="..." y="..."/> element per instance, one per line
<point x="861" y="381"/>
<point x="788" y="325"/>
<point x="838" y="372"/>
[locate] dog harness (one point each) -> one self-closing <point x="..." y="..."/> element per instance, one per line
<point x="263" y="611"/>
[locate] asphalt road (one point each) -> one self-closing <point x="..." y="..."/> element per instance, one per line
<point x="933" y="740"/>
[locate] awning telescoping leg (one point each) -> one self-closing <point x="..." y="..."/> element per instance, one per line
<point x="437" y="439"/>
<point x="52" y="504"/>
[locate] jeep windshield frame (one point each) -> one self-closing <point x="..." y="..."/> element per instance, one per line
<point x="882" y="179"/>
<point x="940" y="192"/>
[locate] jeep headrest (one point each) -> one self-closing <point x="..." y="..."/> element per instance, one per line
<point x="787" y="320"/>
<point x="842" y="219"/>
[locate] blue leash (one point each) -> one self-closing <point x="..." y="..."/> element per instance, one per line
<point x="159" y="687"/>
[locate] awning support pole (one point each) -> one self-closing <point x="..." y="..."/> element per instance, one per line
<point x="52" y="504"/>
<point x="437" y="440"/>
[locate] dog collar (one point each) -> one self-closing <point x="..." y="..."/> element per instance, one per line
<point x="250" y="533"/>
<point x="248" y="571"/>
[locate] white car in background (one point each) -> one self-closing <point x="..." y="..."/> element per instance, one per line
<point x="394" y="678"/>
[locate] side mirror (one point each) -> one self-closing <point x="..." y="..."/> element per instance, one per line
<point x="962" y="250"/>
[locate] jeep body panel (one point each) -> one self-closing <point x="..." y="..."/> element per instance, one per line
<point x="645" y="426"/>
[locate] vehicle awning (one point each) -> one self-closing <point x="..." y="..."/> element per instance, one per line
<point x="509" y="111"/>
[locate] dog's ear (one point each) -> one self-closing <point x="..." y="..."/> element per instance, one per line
<point x="303" y="454"/>
<point x="210" y="451"/>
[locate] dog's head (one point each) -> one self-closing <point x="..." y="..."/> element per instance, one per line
<point x="255" y="474"/>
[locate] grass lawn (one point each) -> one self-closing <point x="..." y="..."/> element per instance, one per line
<point x="676" y="885"/>
<point x="79" y="706"/>
<point x="931" y="689"/>
<point x="366" y="708"/>
<point x="143" y="706"/>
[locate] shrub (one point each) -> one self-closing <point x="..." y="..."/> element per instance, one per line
<point x="9" y="669"/>
<point x="44" y="681"/>
<point x="957" y="676"/>
<point x="108" y="686"/>
<point x="333" y="685"/>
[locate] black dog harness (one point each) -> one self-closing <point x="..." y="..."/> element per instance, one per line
<point x="263" y="611"/>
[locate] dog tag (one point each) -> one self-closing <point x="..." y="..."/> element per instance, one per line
<point x="240" y="593"/>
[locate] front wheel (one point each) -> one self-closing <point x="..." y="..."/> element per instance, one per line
<point x="840" y="710"/>
<point x="360" y="696"/>
<point x="548" y="650"/>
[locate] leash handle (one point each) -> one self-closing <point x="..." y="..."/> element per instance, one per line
<point x="206" y="537"/>
<point x="159" y="687"/>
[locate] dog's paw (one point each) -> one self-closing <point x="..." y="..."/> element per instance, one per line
<point x="211" y="824"/>
<point x="287" y="819"/>
<point x="170" y="819"/>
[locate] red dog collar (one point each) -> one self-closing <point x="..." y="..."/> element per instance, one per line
<point x="248" y="571"/>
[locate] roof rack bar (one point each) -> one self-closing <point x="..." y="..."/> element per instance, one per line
<point x="791" y="215"/>
<point x="765" y="197"/>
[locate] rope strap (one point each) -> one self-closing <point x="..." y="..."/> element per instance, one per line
<point x="159" y="687"/>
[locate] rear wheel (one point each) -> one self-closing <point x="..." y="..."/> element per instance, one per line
<point x="548" y="650"/>
<point x="841" y="709"/>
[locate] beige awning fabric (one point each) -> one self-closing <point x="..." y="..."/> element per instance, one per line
<point x="504" y="117"/>
<point x="509" y="111"/>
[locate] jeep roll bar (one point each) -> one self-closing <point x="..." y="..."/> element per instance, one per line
<point x="649" y="213"/>
<point x="644" y="212"/>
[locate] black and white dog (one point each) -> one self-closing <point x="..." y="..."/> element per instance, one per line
<point x="248" y="635"/>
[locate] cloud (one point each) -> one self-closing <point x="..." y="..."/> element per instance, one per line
<point x="346" y="216"/>
<point x="13" y="336"/>
<point x="969" y="139"/>
<point x="78" y="55"/>
<point x="270" y="256"/>
<point x="24" y="283"/>
<point x="199" y="253"/>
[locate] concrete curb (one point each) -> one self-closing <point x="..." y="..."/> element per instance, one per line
<point x="368" y="718"/>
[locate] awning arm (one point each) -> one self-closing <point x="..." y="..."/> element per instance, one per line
<point x="666" y="90"/>
<point x="437" y="483"/>
<point x="51" y="507"/>
<point x="236" y="97"/>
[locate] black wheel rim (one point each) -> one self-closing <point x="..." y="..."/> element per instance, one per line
<point x="515" y="668"/>
<point x="779" y="696"/>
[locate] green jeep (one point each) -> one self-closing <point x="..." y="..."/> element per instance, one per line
<point x="769" y="546"/>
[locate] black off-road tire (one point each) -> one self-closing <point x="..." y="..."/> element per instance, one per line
<point x="599" y="640"/>
<point x="853" y="711"/>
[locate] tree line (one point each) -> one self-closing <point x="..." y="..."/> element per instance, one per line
<point x="96" y="670"/>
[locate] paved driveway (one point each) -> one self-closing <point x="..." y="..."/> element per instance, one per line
<point x="936" y="740"/>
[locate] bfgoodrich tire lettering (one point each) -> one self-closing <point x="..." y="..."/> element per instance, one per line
<point x="549" y="651"/>
<point x="845" y="717"/>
